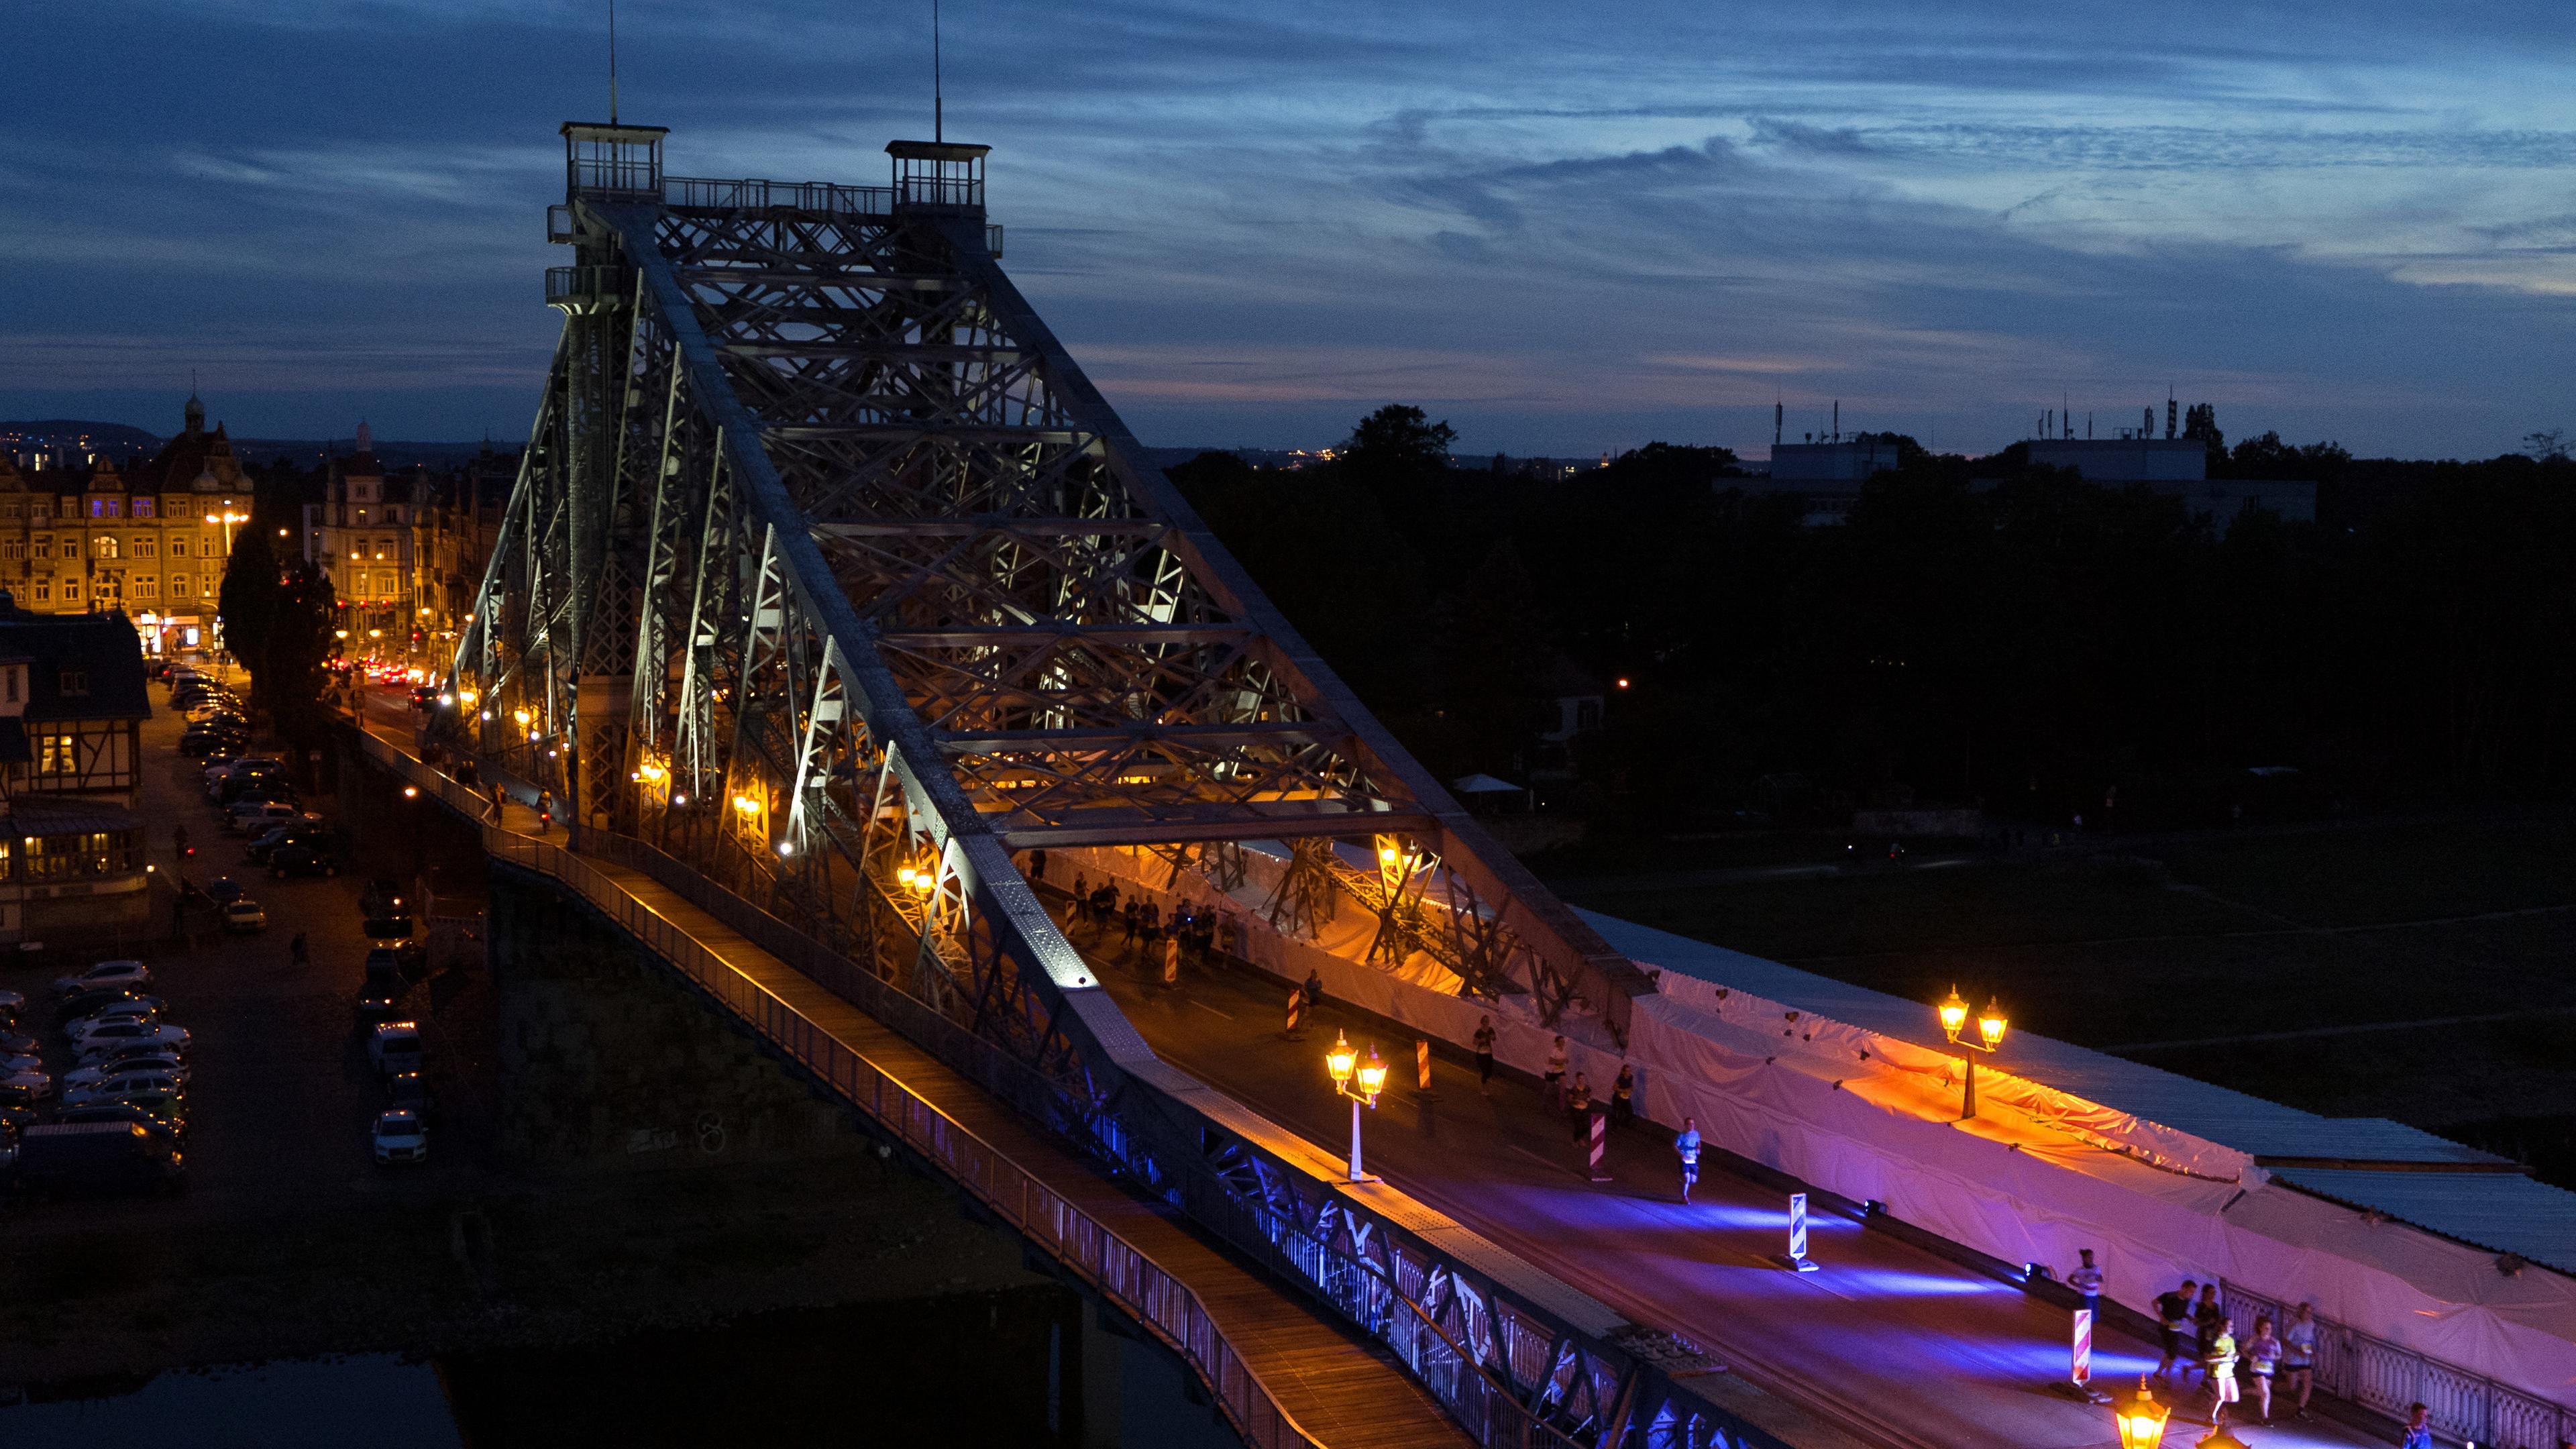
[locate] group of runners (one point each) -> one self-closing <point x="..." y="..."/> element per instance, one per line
<point x="2200" y="1333"/>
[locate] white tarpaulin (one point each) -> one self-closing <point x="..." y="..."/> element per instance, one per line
<point x="2037" y="1175"/>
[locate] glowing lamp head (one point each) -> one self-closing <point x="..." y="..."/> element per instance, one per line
<point x="906" y="876"/>
<point x="1386" y="856"/>
<point x="2140" y="1419"/>
<point x="746" y="804"/>
<point x="411" y="792"/>
<point x="924" y="882"/>
<point x="1372" y="1075"/>
<point x="1990" y="1024"/>
<point x="1341" y="1061"/>
<point x="520" y="715"/>
<point x="1954" y="1014"/>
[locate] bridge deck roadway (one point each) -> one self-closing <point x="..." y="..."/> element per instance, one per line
<point x="1887" y="1341"/>
<point x="1346" y="1394"/>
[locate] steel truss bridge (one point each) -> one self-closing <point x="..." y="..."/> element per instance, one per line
<point x="829" y="582"/>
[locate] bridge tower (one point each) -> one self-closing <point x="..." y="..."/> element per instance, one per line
<point x="829" y="576"/>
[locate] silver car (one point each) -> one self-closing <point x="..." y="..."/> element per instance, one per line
<point x="111" y="1035"/>
<point x="106" y="974"/>
<point x="119" y="1087"/>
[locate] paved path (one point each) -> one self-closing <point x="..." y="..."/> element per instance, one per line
<point x="1886" y="1339"/>
<point x="1343" y="1391"/>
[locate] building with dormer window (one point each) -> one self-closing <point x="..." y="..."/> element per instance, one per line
<point x="361" y="534"/>
<point x="72" y="706"/>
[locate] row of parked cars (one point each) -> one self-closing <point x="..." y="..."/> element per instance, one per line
<point x="118" y="1117"/>
<point x="218" y="721"/>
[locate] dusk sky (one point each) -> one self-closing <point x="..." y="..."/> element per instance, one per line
<point x="1566" y="228"/>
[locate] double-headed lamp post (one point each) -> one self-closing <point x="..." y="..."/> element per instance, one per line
<point x="2140" y="1419"/>
<point x="1990" y="1035"/>
<point x="1360" y="1081"/>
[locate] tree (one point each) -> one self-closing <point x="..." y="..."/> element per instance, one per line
<point x="2200" y="421"/>
<point x="300" y="640"/>
<point x="2546" y="445"/>
<point x="1399" y="441"/>
<point x="248" y="602"/>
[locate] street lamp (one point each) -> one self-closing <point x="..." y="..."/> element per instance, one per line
<point x="2218" y="1437"/>
<point x="2140" y="1419"/>
<point x="1360" y="1081"/>
<point x="1991" y="1022"/>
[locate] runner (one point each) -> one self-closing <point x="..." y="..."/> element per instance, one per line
<point x="2207" y="1319"/>
<point x="2218" y="1368"/>
<point x="1578" y="1106"/>
<point x="2173" y="1315"/>
<point x="2262" y="1356"/>
<point x="1687" y="1144"/>
<point x="2419" y="1428"/>
<point x="1556" y="1076"/>
<point x="2087" y="1280"/>
<point x="2299" y="1354"/>
<point x="1623" y="1096"/>
<point x="1485" y="1055"/>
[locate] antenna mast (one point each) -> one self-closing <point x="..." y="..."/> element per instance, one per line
<point x="612" y="62"/>
<point x="938" y="101"/>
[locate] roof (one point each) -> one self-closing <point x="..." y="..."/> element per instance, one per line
<point x="1483" y="785"/>
<point x="2271" y="1133"/>
<point x="2502" y="1212"/>
<point x="67" y="815"/>
<point x="103" y="647"/>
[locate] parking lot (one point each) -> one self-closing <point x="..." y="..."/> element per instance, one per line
<point x="282" y="1094"/>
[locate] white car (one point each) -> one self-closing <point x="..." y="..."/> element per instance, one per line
<point x="13" y="1063"/>
<point x="30" y="1084"/>
<point x="108" y="1037"/>
<point x="168" y="1064"/>
<point x="400" y="1136"/>
<point x="119" y="1087"/>
<point x="396" y="1047"/>
<point x="144" y="1009"/>
<point x="245" y="915"/>
<point x="254" y="816"/>
<point x="105" y="974"/>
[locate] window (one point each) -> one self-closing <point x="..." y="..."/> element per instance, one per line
<point x="12" y="674"/>
<point x="12" y="548"/>
<point x="179" y="548"/>
<point x="9" y="508"/>
<point x="393" y="515"/>
<point x="106" y="507"/>
<point x="178" y="586"/>
<point x="75" y="683"/>
<point x="39" y="512"/>
<point x="45" y="547"/>
<point x="105" y="545"/>
<point x="143" y="508"/>
<point x="146" y="547"/>
<point x="57" y="754"/>
<point x="208" y="588"/>
<point x="146" y="588"/>
<point x="71" y="591"/>
<point x="44" y="592"/>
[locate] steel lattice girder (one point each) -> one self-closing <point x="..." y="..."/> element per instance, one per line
<point x="866" y="543"/>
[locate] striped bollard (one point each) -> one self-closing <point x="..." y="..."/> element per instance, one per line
<point x="1797" y="1257"/>
<point x="2081" y="1371"/>
<point x="1597" y="1144"/>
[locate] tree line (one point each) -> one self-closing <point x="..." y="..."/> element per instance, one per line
<point x="2036" y="647"/>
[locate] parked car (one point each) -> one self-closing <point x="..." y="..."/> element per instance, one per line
<point x="382" y="897"/>
<point x="141" y="1051"/>
<point x="299" y="831"/>
<point x="26" y="1085"/>
<point x="168" y="1063"/>
<point x="121" y="1087"/>
<point x="303" y="857"/>
<point x="408" y="1092"/>
<point x="223" y="890"/>
<point x="104" y="1039"/>
<point x="244" y="916"/>
<point x="168" y="1129"/>
<point x="11" y="1003"/>
<point x="96" y="1157"/>
<point x="77" y="1024"/>
<point x="201" y="742"/>
<point x="104" y="974"/>
<point x="400" y="1136"/>
<point x="86" y="1004"/>
<point x="395" y="1047"/>
<point x="253" y="816"/>
<point x="18" y="1043"/>
<point x="381" y="994"/>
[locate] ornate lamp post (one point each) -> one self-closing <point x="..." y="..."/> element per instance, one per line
<point x="1991" y="1023"/>
<point x="2141" y="1420"/>
<point x="2218" y="1437"/>
<point x="1360" y="1081"/>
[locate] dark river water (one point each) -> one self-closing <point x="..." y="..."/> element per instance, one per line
<point x="1031" y="1367"/>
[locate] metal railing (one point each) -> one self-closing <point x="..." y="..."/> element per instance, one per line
<point x="2370" y="1371"/>
<point x="710" y="194"/>
<point x="587" y="286"/>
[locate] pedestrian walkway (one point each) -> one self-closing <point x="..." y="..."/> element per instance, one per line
<point x="1336" y="1388"/>
<point x="1884" y="1338"/>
